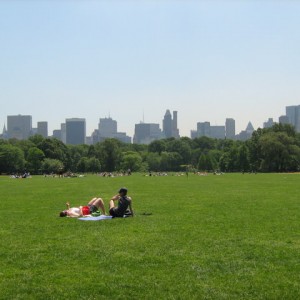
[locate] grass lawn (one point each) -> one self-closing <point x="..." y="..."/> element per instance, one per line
<point x="216" y="237"/>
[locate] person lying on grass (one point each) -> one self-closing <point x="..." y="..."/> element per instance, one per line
<point x="74" y="212"/>
<point x="124" y="202"/>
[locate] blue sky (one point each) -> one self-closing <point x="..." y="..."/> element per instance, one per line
<point x="206" y="59"/>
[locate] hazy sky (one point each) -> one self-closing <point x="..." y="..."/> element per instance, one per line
<point x="206" y="59"/>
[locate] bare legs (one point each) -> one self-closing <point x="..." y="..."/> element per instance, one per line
<point x="111" y="204"/>
<point x="98" y="202"/>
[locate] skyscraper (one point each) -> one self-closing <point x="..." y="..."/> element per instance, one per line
<point x="167" y="124"/>
<point x="175" y="130"/>
<point x="293" y="113"/>
<point x="75" y="131"/>
<point x="203" y="129"/>
<point x="63" y="133"/>
<point x="57" y="134"/>
<point x="170" y="125"/>
<point x="42" y="128"/>
<point x="145" y="133"/>
<point x="283" y="120"/>
<point x="217" y="132"/>
<point x="19" y="127"/>
<point x="230" y="128"/>
<point x="107" y="127"/>
<point x="246" y="134"/>
<point x="4" y="133"/>
<point x="269" y="123"/>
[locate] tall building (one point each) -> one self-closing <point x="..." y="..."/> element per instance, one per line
<point x="203" y="129"/>
<point x="194" y="134"/>
<point x="230" y="128"/>
<point x="175" y="130"/>
<point x="75" y="131"/>
<point x="4" y="133"/>
<point x="108" y="128"/>
<point x="63" y="133"/>
<point x="269" y="123"/>
<point x="167" y="124"/>
<point x="57" y="134"/>
<point x="145" y="133"/>
<point x="293" y="113"/>
<point x="283" y="120"/>
<point x="42" y="129"/>
<point x="246" y="134"/>
<point x="217" y="132"/>
<point x="19" y="127"/>
<point x="170" y="125"/>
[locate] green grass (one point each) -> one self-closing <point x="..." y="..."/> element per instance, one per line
<point x="216" y="237"/>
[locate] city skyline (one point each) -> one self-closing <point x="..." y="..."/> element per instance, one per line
<point x="225" y="59"/>
<point x="21" y="127"/>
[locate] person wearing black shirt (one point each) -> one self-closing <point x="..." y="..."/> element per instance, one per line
<point x="124" y="204"/>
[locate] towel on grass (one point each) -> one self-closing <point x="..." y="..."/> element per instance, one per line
<point x="99" y="218"/>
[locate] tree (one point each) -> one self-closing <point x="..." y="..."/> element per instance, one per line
<point x="131" y="160"/>
<point x="206" y="162"/>
<point x="50" y="165"/>
<point x="11" y="159"/>
<point x="277" y="149"/>
<point x="55" y="149"/>
<point x="171" y="161"/>
<point x="154" y="162"/>
<point x="36" y="139"/>
<point x="93" y="165"/>
<point x="243" y="158"/>
<point x="204" y="143"/>
<point x="182" y="147"/>
<point x="109" y="154"/>
<point x="82" y="165"/>
<point x="35" y="158"/>
<point x="157" y="146"/>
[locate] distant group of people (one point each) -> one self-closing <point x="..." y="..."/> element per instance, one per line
<point x="119" y="209"/>
<point x="24" y="175"/>
<point x="115" y="174"/>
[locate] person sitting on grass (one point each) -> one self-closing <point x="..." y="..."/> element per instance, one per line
<point x="74" y="212"/>
<point x="124" y="202"/>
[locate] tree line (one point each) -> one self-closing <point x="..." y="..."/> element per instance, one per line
<point x="275" y="149"/>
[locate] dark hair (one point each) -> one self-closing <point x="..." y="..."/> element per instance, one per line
<point x="123" y="190"/>
<point x="63" y="214"/>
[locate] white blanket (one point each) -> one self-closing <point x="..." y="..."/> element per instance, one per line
<point x="99" y="218"/>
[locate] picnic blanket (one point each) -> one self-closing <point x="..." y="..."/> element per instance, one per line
<point x="99" y="218"/>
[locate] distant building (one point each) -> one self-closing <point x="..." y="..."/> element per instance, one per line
<point x="57" y="134"/>
<point x="194" y="134"/>
<point x="108" y="128"/>
<point x="283" y="120"/>
<point x="145" y="133"/>
<point x="269" y="123"/>
<point x="34" y="131"/>
<point x="19" y="127"/>
<point x="42" y="129"/>
<point x="203" y="129"/>
<point x="123" y="137"/>
<point x="246" y="134"/>
<point x="63" y="133"/>
<point x="217" y="132"/>
<point x="89" y="140"/>
<point x="75" y="131"/>
<point x="293" y="114"/>
<point x="4" y="134"/>
<point x="170" y="125"/>
<point x="230" y="128"/>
